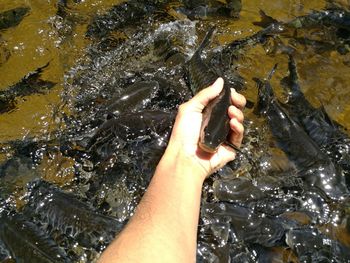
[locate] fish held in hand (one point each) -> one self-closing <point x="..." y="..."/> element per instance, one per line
<point x="215" y="124"/>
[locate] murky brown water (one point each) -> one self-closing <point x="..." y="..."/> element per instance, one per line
<point x="43" y="37"/>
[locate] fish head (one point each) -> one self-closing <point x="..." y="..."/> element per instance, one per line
<point x="210" y="139"/>
<point x="207" y="141"/>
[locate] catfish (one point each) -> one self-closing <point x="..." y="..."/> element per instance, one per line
<point x="28" y="85"/>
<point x="314" y="166"/>
<point x="12" y="17"/>
<point x="329" y="135"/>
<point x="215" y="124"/>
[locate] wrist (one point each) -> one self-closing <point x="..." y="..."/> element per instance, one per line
<point x="182" y="164"/>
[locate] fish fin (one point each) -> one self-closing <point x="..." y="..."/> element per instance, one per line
<point x="273" y="70"/>
<point x="206" y="40"/>
<point x="326" y="116"/>
<point x="265" y="20"/>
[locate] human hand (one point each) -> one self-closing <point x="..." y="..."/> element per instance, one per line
<point x="186" y="131"/>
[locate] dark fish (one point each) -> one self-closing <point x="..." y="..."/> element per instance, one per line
<point x="211" y="8"/>
<point x="135" y="97"/>
<point x="69" y="215"/>
<point x="247" y="225"/>
<point x="259" y="37"/>
<point x="242" y="191"/>
<point x="127" y="127"/>
<point x="237" y="190"/>
<point x="26" y="242"/>
<point x="337" y="18"/>
<point x="316" y="19"/>
<point x="215" y="124"/>
<point x="314" y="166"/>
<point x="312" y="246"/>
<point x="12" y="17"/>
<point x="30" y="84"/>
<point x="320" y="46"/>
<point x="122" y="15"/>
<point x="329" y="135"/>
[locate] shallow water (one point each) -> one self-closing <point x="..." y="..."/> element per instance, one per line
<point x="46" y="134"/>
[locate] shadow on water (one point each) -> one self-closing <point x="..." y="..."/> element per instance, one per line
<point x="88" y="94"/>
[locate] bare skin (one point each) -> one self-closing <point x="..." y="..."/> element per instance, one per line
<point x="164" y="226"/>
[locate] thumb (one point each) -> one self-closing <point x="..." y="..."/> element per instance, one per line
<point x="201" y="100"/>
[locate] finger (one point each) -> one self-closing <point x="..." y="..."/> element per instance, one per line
<point x="202" y="99"/>
<point x="236" y="135"/>
<point x="238" y="99"/>
<point x="223" y="155"/>
<point x="235" y="113"/>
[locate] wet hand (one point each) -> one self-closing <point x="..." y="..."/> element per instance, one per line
<point x="185" y="135"/>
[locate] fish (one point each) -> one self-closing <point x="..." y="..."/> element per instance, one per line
<point x="229" y="50"/>
<point x="312" y="246"/>
<point x="12" y="17"/>
<point x="315" y="19"/>
<point x="335" y="21"/>
<point x="242" y="191"/>
<point x="69" y="215"/>
<point x="26" y="242"/>
<point x="122" y="15"/>
<point x="134" y="97"/>
<point x="215" y="124"/>
<point x="329" y="135"/>
<point x="127" y="127"/>
<point x="248" y="226"/>
<point x="212" y="8"/>
<point x="29" y="84"/>
<point x="314" y="166"/>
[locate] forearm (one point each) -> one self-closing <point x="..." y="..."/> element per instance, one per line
<point x="164" y="226"/>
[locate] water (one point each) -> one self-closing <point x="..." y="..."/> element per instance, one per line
<point x="46" y="134"/>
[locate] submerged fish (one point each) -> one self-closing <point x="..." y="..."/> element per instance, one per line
<point x="205" y="8"/>
<point x="129" y="126"/>
<point x="248" y="225"/>
<point x="328" y="134"/>
<point x="26" y="242"/>
<point x="12" y="17"/>
<point x="30" y="84"/>
<point x="260" y="37"/>
<point x="316" y="19"/>
<point x="121" y="15"/>
<point x="69" y="215"/>
<point x="314" y="166"/>
<point x="215" y="124"/>
<point x="336" y="19"/>
<point x="312" y="246"/>
<point x="134" y="97"/>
